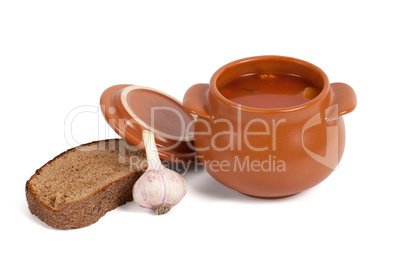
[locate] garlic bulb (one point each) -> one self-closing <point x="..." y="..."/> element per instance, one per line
<point x="159" y="188"/>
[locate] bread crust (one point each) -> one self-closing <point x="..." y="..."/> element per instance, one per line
<point x="87" y="210"/>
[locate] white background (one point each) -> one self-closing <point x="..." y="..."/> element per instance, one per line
<point x="58" y="56"/>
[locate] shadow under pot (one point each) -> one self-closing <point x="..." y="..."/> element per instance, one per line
<point x="269" y="126"/>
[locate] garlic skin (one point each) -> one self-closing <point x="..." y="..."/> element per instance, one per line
<point x="159" y="188"/>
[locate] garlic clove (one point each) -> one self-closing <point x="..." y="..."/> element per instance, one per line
<point x="158" y="188"/>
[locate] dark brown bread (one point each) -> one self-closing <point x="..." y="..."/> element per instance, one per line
<point x="79" y="186"/>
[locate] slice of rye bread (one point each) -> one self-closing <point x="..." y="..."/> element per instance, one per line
<point x="79" y="186"/>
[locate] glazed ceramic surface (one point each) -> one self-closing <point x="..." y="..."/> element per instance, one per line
<point x="271" y="152"/>
<point x="130" y="109"/>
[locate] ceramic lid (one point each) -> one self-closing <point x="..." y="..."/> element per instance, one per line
<point x="130" y="109"/>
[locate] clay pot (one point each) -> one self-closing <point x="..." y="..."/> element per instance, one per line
<point x="273" y="152"/>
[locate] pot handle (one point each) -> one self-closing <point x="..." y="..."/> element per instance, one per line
<point x="195" y="100"/>
<point x="343" y="100"/>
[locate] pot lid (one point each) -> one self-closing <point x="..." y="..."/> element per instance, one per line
<point x="130" y="109"/>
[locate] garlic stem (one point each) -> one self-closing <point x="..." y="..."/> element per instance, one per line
<point x="153" y="159"/>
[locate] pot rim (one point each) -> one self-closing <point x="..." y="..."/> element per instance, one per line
<point x="216" y="93"/>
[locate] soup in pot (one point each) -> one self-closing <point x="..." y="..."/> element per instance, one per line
<point x="269" y="90"/>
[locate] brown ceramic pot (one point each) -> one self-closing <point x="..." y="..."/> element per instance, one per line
<point x="273" y="152"/>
